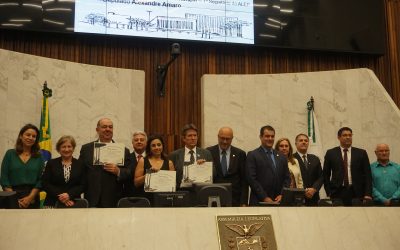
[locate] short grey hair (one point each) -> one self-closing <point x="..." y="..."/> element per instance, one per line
<point x="139" y="132"/>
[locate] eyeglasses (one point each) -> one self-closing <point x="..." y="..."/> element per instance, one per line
<point x="105" y="126"/>
<point x="383" y="151"/>
<point x="225" y="138"/>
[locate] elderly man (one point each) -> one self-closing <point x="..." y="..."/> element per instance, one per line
<point x="229" y="165"/>
<point x="190" y="153"/>
<point x="139" y="143"/>
<point x="347" y="172"/>
<point x="385" y="177"/>
<point x="104" y="183"/>
<point x="267" y="170"/>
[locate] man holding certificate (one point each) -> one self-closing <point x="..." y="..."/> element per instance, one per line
<point x="107" y="165"/>
<point x="190" y="154"/>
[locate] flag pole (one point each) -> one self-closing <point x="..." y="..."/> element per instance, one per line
<point x="311" y="126"/>
<point x="45" y="132"/>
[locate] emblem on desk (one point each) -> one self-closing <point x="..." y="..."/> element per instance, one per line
<point x="246" y="232"/>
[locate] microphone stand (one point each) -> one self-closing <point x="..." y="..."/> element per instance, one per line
<point x="161" y="71"/>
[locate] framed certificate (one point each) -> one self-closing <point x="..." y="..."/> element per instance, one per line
<point x="160" y="181"/>
<point x="197" y="173"/>
<point x="108" y="153"/>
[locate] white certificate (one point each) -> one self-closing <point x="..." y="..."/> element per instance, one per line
<point x="108" y="153"/>
<point x="160" y="181"/>
<point x="197" y="173"/>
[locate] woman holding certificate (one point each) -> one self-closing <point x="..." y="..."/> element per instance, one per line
<point x="154" y="161"/>
<point x="22" y="168"/>
<point x="63" y="179"/>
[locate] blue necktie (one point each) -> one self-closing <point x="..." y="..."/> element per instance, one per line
<point x="271" y="156"/>
<point x="224" y="163"/>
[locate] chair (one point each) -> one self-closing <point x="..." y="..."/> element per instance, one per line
<point x="79" y="203"/>
<point x="134" y="202"/>
<point x="292" y="197"/>
<point x="214" y="195"/>
<point x="8" y="199"/>
<point x="172" y="199"/>
<point x="330" y="203"/>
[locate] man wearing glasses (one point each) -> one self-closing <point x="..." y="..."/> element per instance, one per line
<point x="229" y="165"/>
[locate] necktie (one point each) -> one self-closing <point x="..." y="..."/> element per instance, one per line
<point x="138" y="157"/>
<point x="271" y="156"/>
<point x="305" y="161"/>
<point x="191" y="152"/>
<point x="345" y="165"/>
<point x="224" y="163"/>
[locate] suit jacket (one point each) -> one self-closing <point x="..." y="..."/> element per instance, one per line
<point x="53" y="181"/>
<point x="236" y="173"/>
<point x="265" y="180"/>
<point x="360" y="172"/>
<point x="103" y="189"/>
<point x="129" y="189"/>
<point x="178" y="157"/>
<point x="312" y="175"/>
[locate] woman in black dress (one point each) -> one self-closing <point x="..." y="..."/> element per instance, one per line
<point x="155" y="160"/>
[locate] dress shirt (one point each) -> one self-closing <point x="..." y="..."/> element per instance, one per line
<point x="348" y="162"/>
<point x="302" y="157"/>
<point x="187" y="154"/>
<point x="386" y="181"/>
<point x="228" y="154"/>
<point x="142" y="154"/>
<point x="270" y="154"/>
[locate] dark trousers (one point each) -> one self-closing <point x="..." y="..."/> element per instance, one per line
<point x="23" y="191"/>
<point x="345" y="194"/>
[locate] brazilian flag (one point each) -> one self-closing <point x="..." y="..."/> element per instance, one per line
<point x="45" y="132"/>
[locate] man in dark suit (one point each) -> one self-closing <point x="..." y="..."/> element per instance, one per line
<point x="139" y="142"/>
<point x="347" y="173"/>
<point x="267" y="170"/>
<point x="229" y="164"/>
<point x="190" y="153"/>
<point x="311" y="170"/>
<point x="104" y="183"/>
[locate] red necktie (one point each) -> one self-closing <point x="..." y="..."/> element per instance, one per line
<point x="345" y="164"/>
<point x="138" y="157"/>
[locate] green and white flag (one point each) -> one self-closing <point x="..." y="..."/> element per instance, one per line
<point x="315" y="143"/>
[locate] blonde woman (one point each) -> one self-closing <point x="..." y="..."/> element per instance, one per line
<point x="283" y="145"/>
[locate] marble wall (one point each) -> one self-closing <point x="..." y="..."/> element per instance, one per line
<point x="82" y="94"/>
<point x="353" y="98"/>
<point x="296" y="228"/>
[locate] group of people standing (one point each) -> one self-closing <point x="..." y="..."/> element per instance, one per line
<point x="346" y="174"/>
<point x="266" y="170"/>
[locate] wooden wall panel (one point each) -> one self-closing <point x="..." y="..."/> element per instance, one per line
<point x="182" y="102"/>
